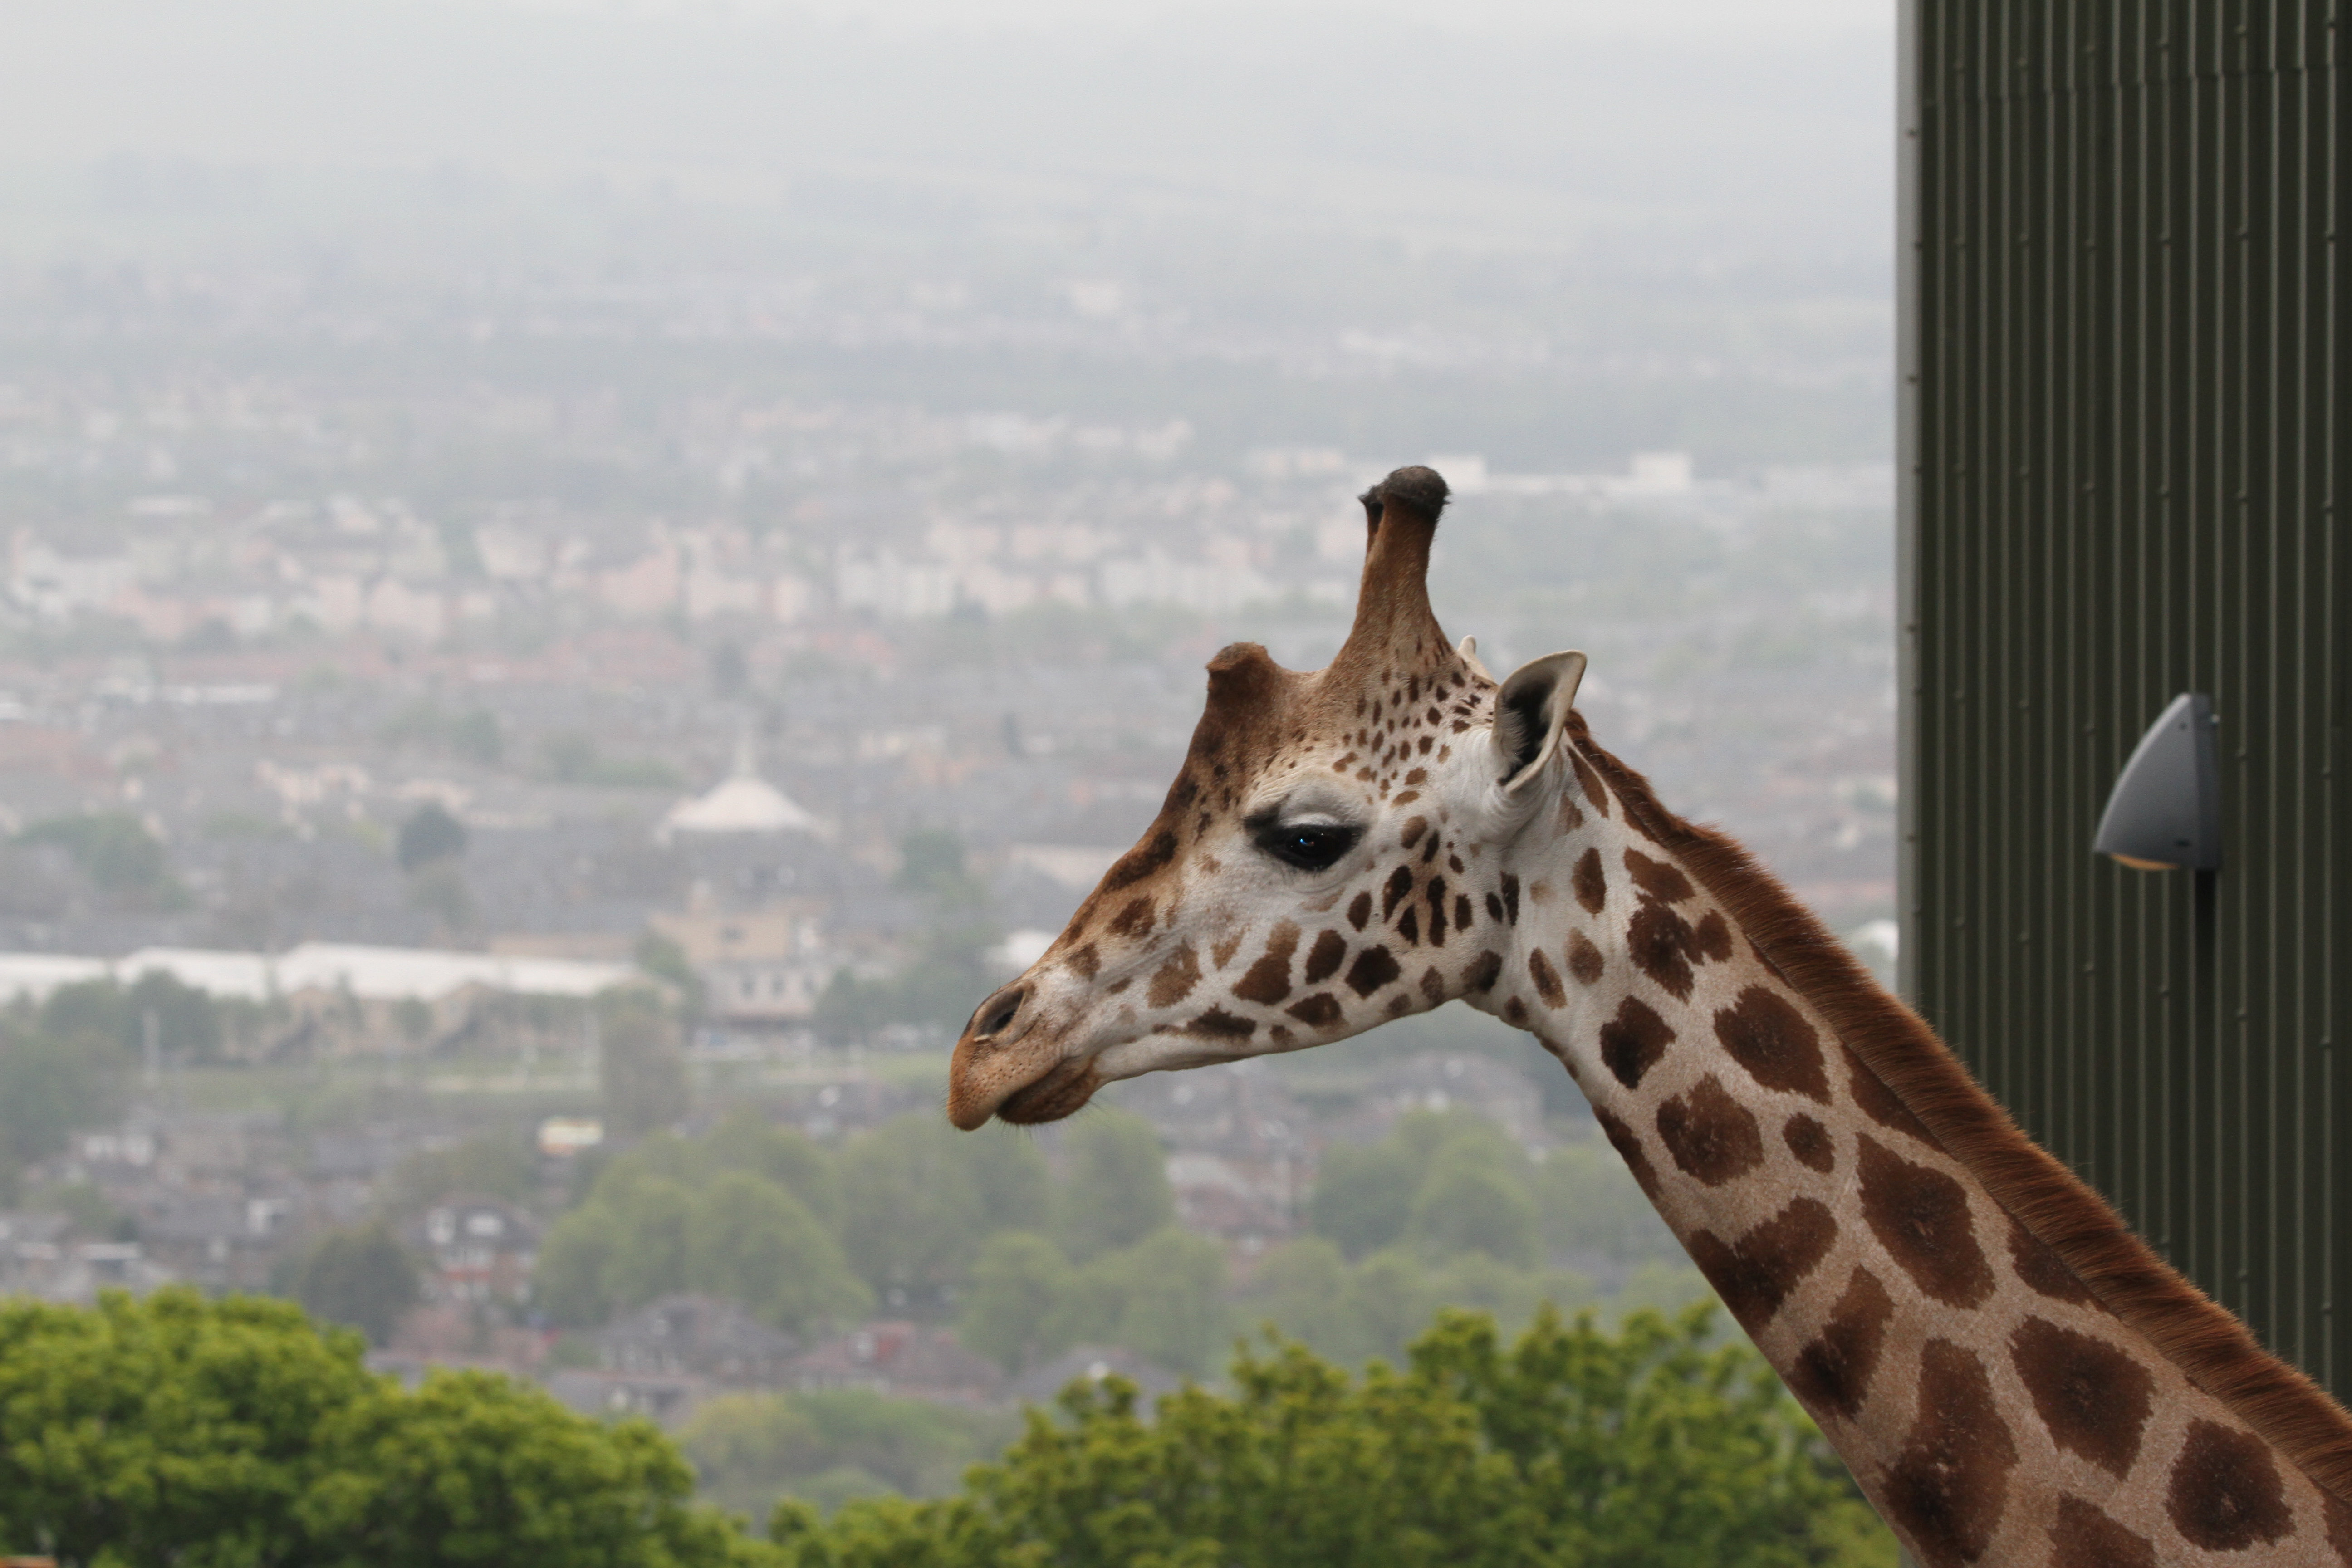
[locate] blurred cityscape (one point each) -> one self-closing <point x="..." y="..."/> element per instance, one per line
<point x="519" y="747"/>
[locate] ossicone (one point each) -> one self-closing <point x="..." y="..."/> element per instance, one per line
<point x="1418" y="489"/>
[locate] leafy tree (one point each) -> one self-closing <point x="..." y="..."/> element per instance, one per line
<point x="650" y="1258"/>
<point x="1170" y="1289"/>
<point x="931" y="861"/>
<point x="1465" y="1206"/>
<point x="1654" y="1447"/>
<point x="1117" y="1191"/>
<point x="234" y="1433"/>
<point x="474" y="1468"/>
<point x="1009" y="1176"/>
<point x="187" y="1021"/>
<point x="1019" y="1283"/>
<point x="751" y="1241"/>
<point x="430" y="833"/>
<point x="49" y="1085"/>
<point x="830" y="1446"/>
<point x="363" y="1277"/>
<point x="116" y="852"/>
<point x="1363" y="1195"/>
<point x="570" y="1281"/>
<point x="641" y="1066"/>
<point x="171" y="1430"/>
<point x="643" y="1232"/>
<point x="746" y="1140"/>
<point x="1304" y="1288"/>
<point x="918" y="1198"/>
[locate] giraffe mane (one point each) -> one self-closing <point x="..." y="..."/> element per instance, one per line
<point x="2209" y="1345"/>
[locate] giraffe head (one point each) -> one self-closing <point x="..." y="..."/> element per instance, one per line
<point x="1332" y="856"/>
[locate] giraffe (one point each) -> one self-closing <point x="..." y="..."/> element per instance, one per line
<point x="2011" y="1375"/>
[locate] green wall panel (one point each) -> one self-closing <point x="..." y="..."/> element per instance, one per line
<point x="2125" y="426"/>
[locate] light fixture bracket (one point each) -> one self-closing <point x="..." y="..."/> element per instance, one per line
<point x="2165" y="813"/>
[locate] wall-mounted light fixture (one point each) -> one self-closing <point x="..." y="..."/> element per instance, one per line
<point x="2166" y="811"/>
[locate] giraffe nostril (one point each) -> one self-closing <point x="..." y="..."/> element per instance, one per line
<point x="997" y="1013"/>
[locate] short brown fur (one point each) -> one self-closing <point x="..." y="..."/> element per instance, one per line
<point x="2210" y="1347"/>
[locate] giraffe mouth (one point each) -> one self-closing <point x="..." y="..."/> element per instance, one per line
<point x="1065" y="1087"/>
<point x="1023" y="1077"/>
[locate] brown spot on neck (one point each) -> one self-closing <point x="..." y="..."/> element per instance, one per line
<point x="1633" y="1041"/>
<point x="1584" y="959"/>
<point x="1765" y="1034"/>
<point x="1546" y="979"/>
<point x="1879" y="1102"/>
<point x="1754" y="1273"/>
<point x="2082" y="1536"/>
<point x="1374" y="967"/>
<point x="2225" y="1494"/>
<point x="1810" y="1143"/>
<point x="2093" y="1398"/>
<point x="1658" y="879"/>
<point x="1832" y="1371"/>
<point x="1921" y="1216"/>
<point x="2045" y="1272"/>
<point x="1946" y="1489"/>
<point x="1628" y="1144"/>
<point x="1589" y="882"/>
<point x="1713" y="1138"/>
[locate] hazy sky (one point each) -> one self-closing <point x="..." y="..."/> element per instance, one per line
<point x="1553" y="119"/>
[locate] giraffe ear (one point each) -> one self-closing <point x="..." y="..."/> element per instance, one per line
<point x="1530" y="712"/>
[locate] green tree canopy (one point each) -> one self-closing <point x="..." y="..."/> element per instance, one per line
<point x="645" y="1231"/>
<point x="828" y="1445"/>
<point x="641" y="1065"/>
<point x="749" y="1240"/>
<point x="430" y="833"/>
<point x="116" y="852"/>
<point x="1019" y="1282"/>
<point x="918" y="1198"/>
<point x="1117" y="1191"/>
<point x="360" y="1278"/>
<point x="234" y="1434"/>
<point x="1654" y="1447"/>
<point x="49" y="1085"/>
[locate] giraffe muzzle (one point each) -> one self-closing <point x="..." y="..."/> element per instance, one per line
<point x="1001" y="1055"/>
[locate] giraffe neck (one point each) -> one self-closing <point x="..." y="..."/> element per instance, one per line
<point x="2011" y="1375"/>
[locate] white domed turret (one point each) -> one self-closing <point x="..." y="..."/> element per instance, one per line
<point x="742" y="803"/>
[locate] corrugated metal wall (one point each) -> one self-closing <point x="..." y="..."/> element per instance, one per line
<point x="2123" y="376"/>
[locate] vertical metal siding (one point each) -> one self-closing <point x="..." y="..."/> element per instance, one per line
<point x="2124" y="415"/>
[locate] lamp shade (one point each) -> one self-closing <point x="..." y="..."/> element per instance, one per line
<point x="2166" y="810"/>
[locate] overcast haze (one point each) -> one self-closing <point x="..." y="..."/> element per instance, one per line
<point x="730" y="502"/>
<point x="1686" y="126"/>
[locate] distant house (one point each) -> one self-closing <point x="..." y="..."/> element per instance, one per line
<point x="222" y="1241"/>
<point x="40" y="1257"/>
<point x="904" y="1360"/>
<point x="765" y="965"/>
<point x="482" y="1250"/>
<point x="700" y="1336"/>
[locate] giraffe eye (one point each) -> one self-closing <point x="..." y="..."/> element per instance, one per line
<point x="1311" y="846"/>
